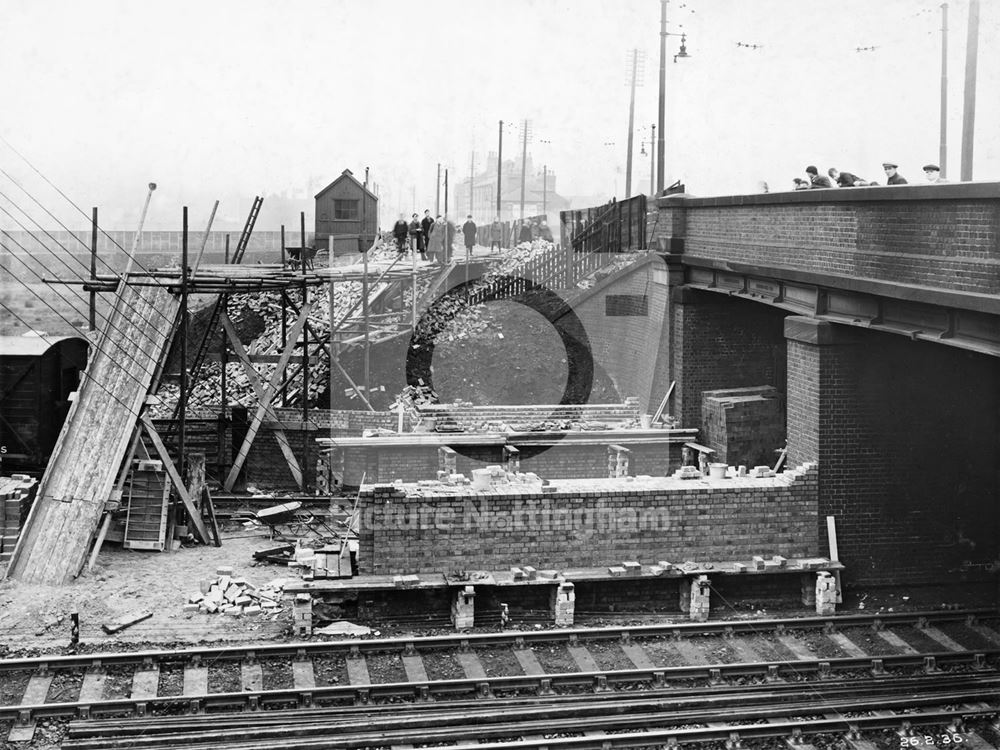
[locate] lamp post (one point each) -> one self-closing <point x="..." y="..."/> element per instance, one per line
<point x="660" y="144"/>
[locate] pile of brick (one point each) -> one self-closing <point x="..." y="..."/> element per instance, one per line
<point x="229" y="595"/>
<point x="17" y="492"/>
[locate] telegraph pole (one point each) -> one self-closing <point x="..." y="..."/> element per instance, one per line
<point x="524" y="166"/>
<point x="545" y="190"/>
<point x="652" y="161"/>
<point x="437" y="194"/>
<point x="969" y="119"/>
<point x="472" y="182"/>
<point x="499" y="166"/>
<point x="631" y="122"/>
<point x="663" y="94"/>
<point x="943" y="148"/>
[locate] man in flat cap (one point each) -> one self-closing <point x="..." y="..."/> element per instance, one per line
<point x="933" y="174"/>
<point x="817" y="180"/>
<point x="892" y="177"/>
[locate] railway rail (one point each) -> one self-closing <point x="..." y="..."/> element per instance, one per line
<point x="709" y="658"/>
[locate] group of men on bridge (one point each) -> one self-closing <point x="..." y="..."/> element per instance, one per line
<point x="814" y="180"/>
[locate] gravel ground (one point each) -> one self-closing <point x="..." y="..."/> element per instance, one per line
<point x="224" y="677"/>
<point x="970" y="639"/>
<point x="385" y="667"/>
<point x="716" y="650"/>
<point x="65" y="687"/>
<point x="499" y="662"/>
<point x="869" y="642"/>
<point x="117" y="682"/>
<point x="442" y="666"/>
<point x="555" y="659"/>
<point x="330" y="670"/>
<point x="919" y="641"/>
<point x="12" y="685"/>
<point x="277" y="674"/>
<point x="662" y="653"/>
<point x="770" y="648"/>
<point x="609" y="655"/>
<point x="171" y="680"/>
<point x="819" y="644"/>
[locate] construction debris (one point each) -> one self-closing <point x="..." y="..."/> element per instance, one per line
<point x="234" y="596"/>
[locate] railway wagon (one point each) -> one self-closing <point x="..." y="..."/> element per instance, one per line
<point x="37" y="376"/>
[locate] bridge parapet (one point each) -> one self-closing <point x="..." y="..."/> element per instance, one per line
<point x="932" y="237"/>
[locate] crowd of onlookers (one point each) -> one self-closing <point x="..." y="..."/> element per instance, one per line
<point x="836" y="178"/>
<point x="433" y="238"/>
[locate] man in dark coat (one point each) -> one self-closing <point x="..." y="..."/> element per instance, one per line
<point x="892" y="177"/>
<point x="845" y="179"/>
<point x="417" y="236"/>
<point x="525" y="234"/>
<point x="426" y="223"/>
<point x="469" y="229"/>
<point x="816" y="180"/>
<point x="399" y="231"/>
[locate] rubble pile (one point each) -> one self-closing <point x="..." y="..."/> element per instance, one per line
<point x="207" y="392"/>
<point x="229" y="595"/>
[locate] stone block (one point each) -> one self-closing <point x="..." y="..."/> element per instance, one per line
<point x="616" y="571"/>
<point x="632" y="568"/>
<point x="463" y="608"/>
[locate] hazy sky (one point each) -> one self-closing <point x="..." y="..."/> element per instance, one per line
<point x="223" y="99"/>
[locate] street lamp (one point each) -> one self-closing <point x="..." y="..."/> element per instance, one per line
<point x="660" y="144"/>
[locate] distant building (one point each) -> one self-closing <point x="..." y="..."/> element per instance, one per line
<point x="341" y="208"/>
<point x="540" y="194"/>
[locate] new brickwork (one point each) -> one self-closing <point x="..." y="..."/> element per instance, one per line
<point x="710" y="520"/>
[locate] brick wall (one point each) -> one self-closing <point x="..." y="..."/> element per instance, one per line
<point x="942" y="236"/>
<point x="17" y="493"/>
<point x="906" y="435"/>
<point x="720" y="342"/>
<point x="596" y="522"/>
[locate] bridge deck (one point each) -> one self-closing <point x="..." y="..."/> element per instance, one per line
<point x="95" y="436"/>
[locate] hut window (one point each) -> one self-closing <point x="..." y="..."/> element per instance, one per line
<point x="345" y="210"/>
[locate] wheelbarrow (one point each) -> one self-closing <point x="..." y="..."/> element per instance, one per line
<point x="289" y="519"/>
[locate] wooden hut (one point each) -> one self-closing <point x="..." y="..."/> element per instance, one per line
<point x="348" y="212"/>
<point x="37" y="376"/>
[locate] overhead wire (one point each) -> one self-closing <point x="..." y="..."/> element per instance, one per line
<point x="78" y="311"/>
<point x="106" y="318"/>
<point x="73" y="234"/>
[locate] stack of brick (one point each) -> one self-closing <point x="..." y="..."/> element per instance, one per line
<point x="695" y="597"/>
<point x="744" y="426"/>
<point x="463" y="608"/>
<point x="17" y="492"/>
<point x="563" y="603"/>
<point x="302" y="614"/>
<point x="226" y="594"/>
<point x="826" y="594"/>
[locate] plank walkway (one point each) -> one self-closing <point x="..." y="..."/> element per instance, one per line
<point x="95" y="437"/>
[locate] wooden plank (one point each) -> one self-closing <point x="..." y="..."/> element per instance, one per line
<point x="251" y="676"/>
<point x="471" y="665"/>
<point x="414" y="667"/>
<point x="528" y="661"/>
<point x="37" y="689"/>
<point x="943" y="638"/>
<point x="849" y="646"/>
<point x="258" y="387"/>
<point x="145" y="683"/>
<point x="195" y="680"/>
<point x="357" y="670"/>
<point x="175" y="477"/>
<point x="896" y="642"/>
<point x="638" y="656"/>
<point x="92" y="688"/>
<point x="583" y="658"/>
<point x="798" y="650"/>
<point x="268" y="396"/>
<point x="303" y="676"/>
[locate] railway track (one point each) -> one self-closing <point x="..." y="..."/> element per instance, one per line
<point x="498" y="672"/>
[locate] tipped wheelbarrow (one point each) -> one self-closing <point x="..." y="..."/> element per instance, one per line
<point x="289" y="519"/>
